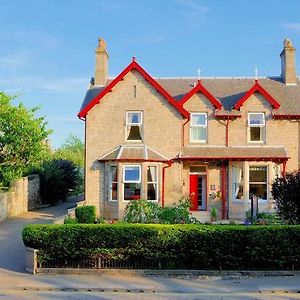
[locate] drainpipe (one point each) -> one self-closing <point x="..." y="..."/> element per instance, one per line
<point x="223" y="190"/>
<point x="283" y="168"/>
<point x="226" y="133"/>
<point x="183" y="131"/>
<point x="170" y="162"/>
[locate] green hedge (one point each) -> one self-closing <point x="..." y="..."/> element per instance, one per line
<point x="184" y="246"/>
<point x="85" y="214"/>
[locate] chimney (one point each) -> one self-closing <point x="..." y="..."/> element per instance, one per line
<point x="288" y="65"/>
<point x="101" y="70"/>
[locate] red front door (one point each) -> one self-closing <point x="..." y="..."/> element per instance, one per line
<point x="194" y="191"/>
<point x="198" y="191"/>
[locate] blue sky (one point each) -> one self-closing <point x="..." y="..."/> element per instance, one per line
<point x="47" y="47"/>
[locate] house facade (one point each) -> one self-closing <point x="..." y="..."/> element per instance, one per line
<point x="218" y="141"/>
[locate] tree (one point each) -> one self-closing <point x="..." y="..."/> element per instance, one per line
<point x="58" y="177"/>
<point x="22" y="140"/>
<point x="73" y="150"/>
<point x="286" y="193"/>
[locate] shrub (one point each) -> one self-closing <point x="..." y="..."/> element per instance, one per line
<point x="143" y="211"/>
<point x="176" y="246"/>
<point x="58" y="178"/>
<point x="286" y="193"/>
<point x="70" y="220"/>
<point x="85" y="214"/>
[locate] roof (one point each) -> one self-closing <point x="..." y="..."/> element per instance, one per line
<point x="133" y="152"/>
<point x="91" y="100"/>
<point x="267" y="153"/>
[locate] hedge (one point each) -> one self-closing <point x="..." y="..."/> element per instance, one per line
<point x="183" y="246"/>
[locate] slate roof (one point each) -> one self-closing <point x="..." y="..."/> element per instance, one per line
<point x="227" y="90"/>
<point x="235" y="152"/>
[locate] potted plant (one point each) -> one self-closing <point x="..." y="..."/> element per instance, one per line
<point x="213" y="214"/>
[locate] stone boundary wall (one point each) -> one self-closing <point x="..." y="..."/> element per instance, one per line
<point x="23" y="195"/>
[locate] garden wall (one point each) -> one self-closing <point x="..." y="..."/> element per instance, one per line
<point x="24" y="195"/>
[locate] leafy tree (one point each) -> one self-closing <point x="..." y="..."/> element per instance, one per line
<point x="73" y="150"/>
<point x="58" y="177"/>
<point x="286" y="193"/>
<point x="22" y="140"/>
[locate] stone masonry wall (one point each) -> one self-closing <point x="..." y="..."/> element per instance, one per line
<point x="23" y="196"/>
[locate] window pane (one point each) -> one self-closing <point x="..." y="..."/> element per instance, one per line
<point x="132" y="191"/>
<point x="134" y="118"/>
<point x="132" y="173"/>
<point x="258" y="174"/>
<point x="198" y="169"/>
<point x="199" y="119"/>
<point x="256" y="119"/>
<point x="113" y="173"/>
<point x="198" y="133"/>
<point x="134" y="133"/>
<point x="238" y="182"/>
<point x="255" y="134"/>
<point x="151" y="174"/>
<point x="152" y="191"/>
<point x="114" y="191"/>
<point x="258" y="190"/>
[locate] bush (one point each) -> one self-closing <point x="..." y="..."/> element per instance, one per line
<point x="70" y="220"/>
<point x="286" y="193"/>
<point x="143" y="211"/>
<point x="187" y="246"/>
<point x="85" y="214"/>
<point x="58" y="178"/>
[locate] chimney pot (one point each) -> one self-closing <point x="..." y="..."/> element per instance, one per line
<point x="288" y="64"/>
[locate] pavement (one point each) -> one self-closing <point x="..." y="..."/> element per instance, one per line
<point x="15" y="284"/>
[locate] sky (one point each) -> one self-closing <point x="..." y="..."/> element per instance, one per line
<point x="47" y="47"/>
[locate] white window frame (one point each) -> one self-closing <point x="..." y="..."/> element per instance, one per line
<point x="129" y="124"/>
<point x="259" y="182"/>
<point x="110" y="182"/>
<point x="204" y="126"/>
<point x="234" y="182"/>
<point x="131" y="181"/>
<point x="262" y="126"/>
<point x="153" y="182"/>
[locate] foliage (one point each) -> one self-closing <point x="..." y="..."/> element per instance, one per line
<point x="85" y="214"/>
<point x="263" y="218"/>
<point x="70" y="220"/>
<point x="213" y="214"/>
<point x="57" y="179"/>
<point x="176" y="246"/>
<point x="143" y="211"/>
<point x="73" y="150"/>
<point x="286" y="193"/>
<point x="22" y="140"/>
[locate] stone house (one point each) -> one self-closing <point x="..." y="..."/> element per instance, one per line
<point x="217" y="140"/>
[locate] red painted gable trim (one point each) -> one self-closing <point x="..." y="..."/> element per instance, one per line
<point x="133" y="66"/>
<point x="286" y="116"/>
<point x="199" y="88"/>
<point x="257" y="88"/>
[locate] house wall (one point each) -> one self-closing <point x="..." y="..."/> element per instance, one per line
<point x="105" y="129"/>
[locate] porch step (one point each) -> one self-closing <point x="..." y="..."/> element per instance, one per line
<point x="202" y="216"/>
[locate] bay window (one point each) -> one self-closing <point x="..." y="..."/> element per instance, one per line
<point x="258" y="183"/>
<point x="198" y="127"/>
<point x="132" y="182"/>
<point x="152" y="183"/>
<point x="113" y="183"/>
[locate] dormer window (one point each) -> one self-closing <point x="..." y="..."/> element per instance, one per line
<point x="256" y="125"/>
<point x="134" y="123"/>
<point x="198" y="128"/>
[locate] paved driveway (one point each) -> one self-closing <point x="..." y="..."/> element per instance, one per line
<point x="11" y="244"/>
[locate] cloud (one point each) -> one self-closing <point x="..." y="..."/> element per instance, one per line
<point x="292" y="26"/>
<point x="193" y="12"/>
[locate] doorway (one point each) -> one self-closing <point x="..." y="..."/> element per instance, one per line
<point x="198" y="191"/>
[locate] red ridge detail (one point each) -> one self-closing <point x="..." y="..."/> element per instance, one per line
<point x="133" y="66"/>
<point x="257" y="88"/>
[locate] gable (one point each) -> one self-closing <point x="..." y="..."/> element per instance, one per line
<point x="109" y="88"/>
<point x="200" y="89"/>
<point x="257" y="88"/>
